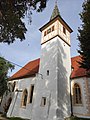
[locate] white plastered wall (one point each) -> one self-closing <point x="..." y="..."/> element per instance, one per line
<point x="15" y="108"/>
<point x="46" y="85"/>
<point x="55" y="57"/>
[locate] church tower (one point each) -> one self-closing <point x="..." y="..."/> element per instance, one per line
<point x="52" y="89"/>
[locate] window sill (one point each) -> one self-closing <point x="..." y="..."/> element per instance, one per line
<point x="77" y="105"/>
<point x="24" y="107"/>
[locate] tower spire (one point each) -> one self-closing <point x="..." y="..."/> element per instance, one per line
<point x="55" y="12"/>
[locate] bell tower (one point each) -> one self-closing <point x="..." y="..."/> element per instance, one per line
<point x="56" y="27"/>
<point x="52" y="93"/>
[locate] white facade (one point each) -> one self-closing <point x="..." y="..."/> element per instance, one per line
<point x="55" y="86"/>
<point x="15" y="108"/>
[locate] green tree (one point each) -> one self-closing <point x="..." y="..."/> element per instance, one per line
<point x="84" y="36"/>
<point x="11" y="14"/>
<point x="4" y="67"/>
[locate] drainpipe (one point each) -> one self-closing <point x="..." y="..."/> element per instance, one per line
<point x="71" y="99"/>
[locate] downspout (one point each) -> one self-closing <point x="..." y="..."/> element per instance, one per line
<point x="71" y="98"/>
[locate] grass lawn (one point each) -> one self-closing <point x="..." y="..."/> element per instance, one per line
<point x="15" y="118"/>
<point x="76" y="118"/>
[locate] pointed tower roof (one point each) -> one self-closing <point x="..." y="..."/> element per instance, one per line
<point x="55" y="12"/>
<point x="56" y="16"/>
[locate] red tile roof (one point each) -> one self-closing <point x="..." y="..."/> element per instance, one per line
<point x="32" y="68"/>
<point x="77" y="71"/>
<point x="29" y="69"/>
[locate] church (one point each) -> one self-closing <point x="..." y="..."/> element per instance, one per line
<point x="52" y="87"/>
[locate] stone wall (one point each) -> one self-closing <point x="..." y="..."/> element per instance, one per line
<point x="82" y="110"/>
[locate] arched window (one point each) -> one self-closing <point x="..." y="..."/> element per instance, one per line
<point x="24" y="98"/>
<point x="77" y="94"/>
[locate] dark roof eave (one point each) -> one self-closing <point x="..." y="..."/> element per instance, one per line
<point x="59" y="17"/>
<point x="78" y="77"/>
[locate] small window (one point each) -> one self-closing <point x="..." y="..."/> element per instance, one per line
<point x="45" y="33"/>
<point x="64" y="30"/>
<point x="43" y="101"/>
<point x="52" y="28"/>
<point x="49" y="30"/>
<point x="47" y="72"/>
<point x="31" y="93"/>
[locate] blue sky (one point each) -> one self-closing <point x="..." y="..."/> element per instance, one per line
<point x="23" y="52"/>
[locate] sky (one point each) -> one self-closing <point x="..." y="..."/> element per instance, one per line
<point x="23" y="52"/>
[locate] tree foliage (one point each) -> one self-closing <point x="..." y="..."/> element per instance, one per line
<point x="4" y="67"/>
<point x="84" y="36"/>
<point x="11" y="14"/>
